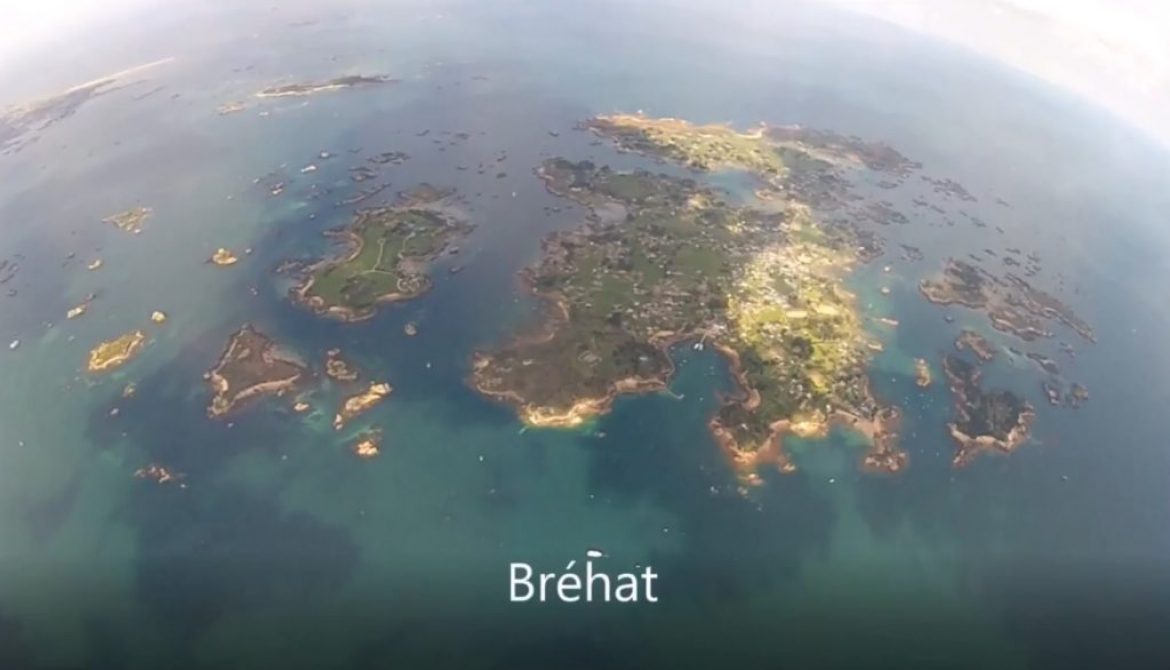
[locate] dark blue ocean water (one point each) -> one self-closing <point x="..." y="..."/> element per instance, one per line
<point x="286" y="551"/>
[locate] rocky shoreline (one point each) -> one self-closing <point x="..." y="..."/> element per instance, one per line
<point x="251" y="365"/>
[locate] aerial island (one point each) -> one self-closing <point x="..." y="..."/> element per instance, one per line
<point x="368" y="444"/>
<point x="996" y="421"/>
<point x="81" y="308"/>
<point x="130" y="220"/>
<point x="977" y="344"/>
<point x="922" y="375"/>
<point x="115" y="353"/>
<point x="252" y="365"/>
<point x="390" y="250"/>
<point x="159" y="474"/>
<point x="1011" y="303"/>
<point x="359" y="403"/>
<point x="335" y="84"/>
<point x="339" y="369"/>
<point x="223" y="257"/>
<point x="662" y="260"/>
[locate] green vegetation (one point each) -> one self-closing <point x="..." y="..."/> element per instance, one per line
<point x="391" y="250"/>
<point x="683" y="266"/>
<point x="664" y="260"/>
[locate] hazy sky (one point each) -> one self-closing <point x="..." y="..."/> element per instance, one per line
<point x="1114" y="52"/>
<point x="25" y="23"/>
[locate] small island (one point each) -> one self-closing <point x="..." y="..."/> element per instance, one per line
<point x="997" y="421"/>
<point x="81" y="308"/>
<point x="391" y="250"/>
<point x="230" y="108"/>
<point x="252" y="365"/>
<point x="337" y="368"/>
<point x="976" y="344"/>
<point x="922" y="375"/>
<point x="130" y="220"/>
<point x="1045" y="363"/>
<point x="117" y="352"/>
<point x="1076" y="396"/>
<point x="1053" y="392"/>
<point x="367" y="445"/>
<point x="1012" y="304"/>
<point x="159" y="474"/>
<point x="223" y="257"/>
<point x="311" y="87"/>
<point x="360" y="403"/>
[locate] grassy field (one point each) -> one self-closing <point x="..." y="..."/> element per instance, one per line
<point x="392" y="247"/>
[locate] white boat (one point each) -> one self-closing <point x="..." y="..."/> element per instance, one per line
<point x="594" y="553"/>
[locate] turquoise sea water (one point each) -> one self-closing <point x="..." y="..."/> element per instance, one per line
<point x="286" y="551"/>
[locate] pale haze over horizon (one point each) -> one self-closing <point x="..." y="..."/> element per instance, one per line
<point x="1115" y="53"/>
